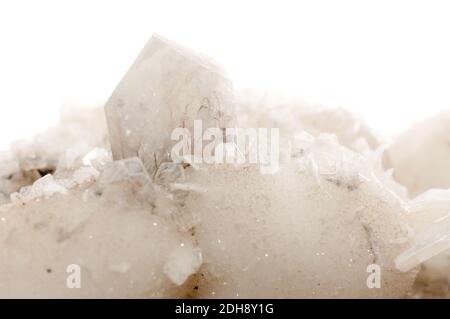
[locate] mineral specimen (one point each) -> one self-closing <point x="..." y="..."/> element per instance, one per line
<point x="77" y="221"/>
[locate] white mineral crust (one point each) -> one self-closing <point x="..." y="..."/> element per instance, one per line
<point x="420" y="160"/>
<point x="139" y="225"/>
<point x="420" y="156"/>
<point x="301" y="232"/>
<point x="121" y="246"/>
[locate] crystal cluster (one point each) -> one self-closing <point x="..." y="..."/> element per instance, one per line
<point x="102" y="194"/>
<point x="292" y="115"/>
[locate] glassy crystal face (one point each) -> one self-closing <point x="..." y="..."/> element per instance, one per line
<point x="167" y="87"/>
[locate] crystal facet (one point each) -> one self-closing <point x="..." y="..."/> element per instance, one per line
<point x="167" y="87"/>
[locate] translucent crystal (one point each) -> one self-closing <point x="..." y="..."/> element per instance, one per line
<point x="97" y="158"/>
<point x="130" y="169"/>
<point x="167" y="87"/>
<point x="45" y="187"/>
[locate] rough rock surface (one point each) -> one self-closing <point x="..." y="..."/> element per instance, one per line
<point x="139" y="225"/>
<point x="299" y="233"/>
<point x="123" y="249"/>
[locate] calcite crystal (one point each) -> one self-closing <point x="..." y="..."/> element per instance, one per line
<point x="167" y="87"/>
<point x="80" y="217"/>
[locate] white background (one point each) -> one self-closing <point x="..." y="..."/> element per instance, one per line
<point x="387" y="60"/>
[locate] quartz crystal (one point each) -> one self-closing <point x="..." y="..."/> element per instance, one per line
<point x="107" y="203"/>
<point x="167" y="87"/>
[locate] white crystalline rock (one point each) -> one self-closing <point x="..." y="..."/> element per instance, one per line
<point x="123" y="249"/>
<point x="62" y="147"/>
<point x="420" y="156"/>
<point x="79" y="131"/>
<point x="85" y="174"/>
<point x="167" y="87"/>
<point x="293" y="115"/>
<point x="43" y="187"/>
<point x="130" y="168"/>
<point x="420" y="161"/>
<point x="97" y="158"/>
<point x="48" y="185"/>
<point x="169" y="172"/>
<point x="302" y="232"/>
<point x="143" y="226"/>
<point x="9" y="181"/>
